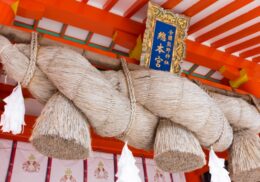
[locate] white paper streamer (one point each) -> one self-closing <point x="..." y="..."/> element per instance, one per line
<point x="216" y="168"/>
<point x="13" y="117"/>
<point x="127" y="170"/>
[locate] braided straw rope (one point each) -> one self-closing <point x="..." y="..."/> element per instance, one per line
<point x="131" y="96"/>
<point x="32" y="64"/>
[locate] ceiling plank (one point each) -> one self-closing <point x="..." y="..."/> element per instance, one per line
<point x="243" y="45"/>
<point x="198" y="7"/>
<point x="170" y="4"/>
<point x="109" y="4"/>
<point x="236" y="36"/>
<point x="229" y="25"/>
<point x="138" y="4"/>
<point x="250" y="52"/>
<point x="230" y="8"/>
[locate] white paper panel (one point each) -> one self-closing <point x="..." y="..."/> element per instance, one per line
<point x="202" y="70"/>
<point x="186" y="65"/>
<point x="51" y="25"/>
<point x="101" y="40"/>
<point x="77" y="33"/>
<point x="28" y="164"/>
<point x="217" y="75"/>
<point x="27" y="21"/>
<point x="120" y="48"/>
<point x="154" y="174"/>
<point x="67" y="171"/>
<point x="101" y="167"/>
<point x="5" y="153"/>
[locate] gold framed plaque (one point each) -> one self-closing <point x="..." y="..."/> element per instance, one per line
<point x="163" y="43"/>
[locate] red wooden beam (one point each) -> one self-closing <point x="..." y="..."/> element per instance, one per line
<point x="256" y="59"/>
<point x="7" y="14"/>
<point x="243" y="45"/>
<point x="138" y="4"/>
<point x="109" y="4"/>
<point x="229" y="25"/>
<point x="230" y="8"/>
<point x="250" y="52"/>
<point x="236" y="36"/>
<point x="170" y="4"/>
<point x="85" y="17"/>
<point x="198" y="7"/>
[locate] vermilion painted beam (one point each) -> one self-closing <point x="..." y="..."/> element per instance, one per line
<point x="138" y="4"/>
<point x="198" y="7"/>
<point x="256" y="59"/>
<point x="230" y="8"/>
<point x="236" y="36"/>
<point x="229" y="25"/>
<point x="243" y="45"/>
<point x="109" y="4"/>
<point x="85" y="17"/>
<point x="7" y="14"/>
<point x="170" y="4"/>
<point x="250" y="52"/>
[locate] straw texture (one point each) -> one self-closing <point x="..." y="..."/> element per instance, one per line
<point x="174" y="104"/>
<point x="61" y="132"/>
<point x="244" y="160"/>
<point x="177" y="149"/>
<point x="107" y="110"/>
<point x="169" y="96"/>
<point x="239" y="113"/>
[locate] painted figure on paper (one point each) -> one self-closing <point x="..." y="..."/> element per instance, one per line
<point x="100" y="172"/>
<point x="159" y="177"/>
<point x="68" y="176"/>
<point x="31" y="165"/>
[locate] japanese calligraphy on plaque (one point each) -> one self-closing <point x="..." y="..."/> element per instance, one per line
<point x="163" y="44"/>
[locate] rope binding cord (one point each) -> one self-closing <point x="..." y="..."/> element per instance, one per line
<point x="131" y="96"/>
<point x="32" y="61"/>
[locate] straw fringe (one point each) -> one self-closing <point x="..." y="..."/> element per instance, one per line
<point x="61" y="132"/>
<point x="177" y="149"/>
<point x="244" y="157"/>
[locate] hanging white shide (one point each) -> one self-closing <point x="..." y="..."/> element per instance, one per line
<point x="217" y="168"/>
<point x="127" y="170"/>
<point x="13" y="117"/>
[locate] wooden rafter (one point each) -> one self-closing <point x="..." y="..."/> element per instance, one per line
<point x="256" y="59"/>
<point x="243" y="45"/>
<point x="109" y="4"/>
<point x="138" y="4"/>
<point x="198" y="7"/>
<point x="170" y="4"/>
<point x="230" y="8"/>
<point x="236" y="36"/>
<point x="229" y="25"/>
<point x="250" y="52"/>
